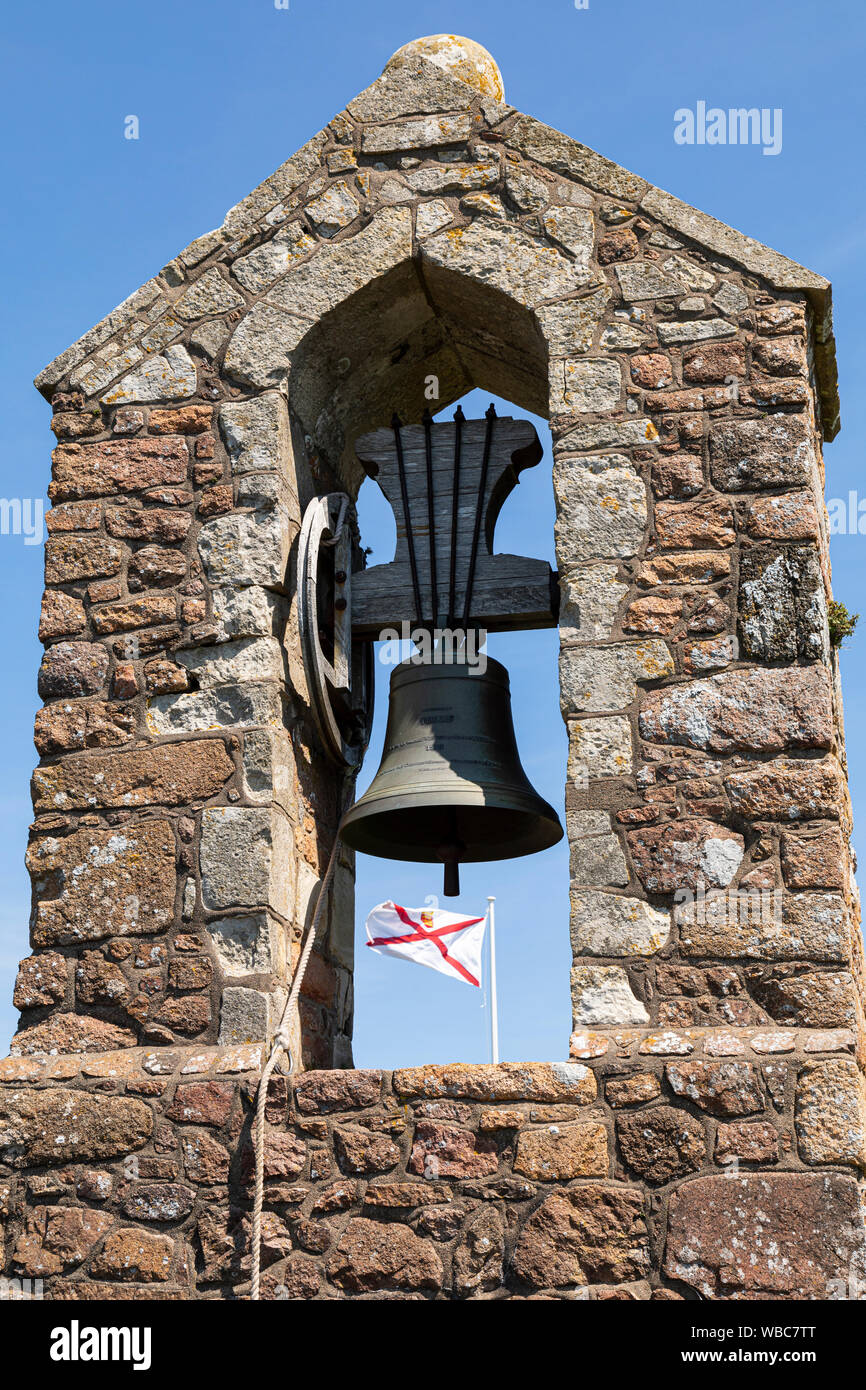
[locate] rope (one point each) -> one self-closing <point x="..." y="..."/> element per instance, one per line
<point x="279" y="1045"/>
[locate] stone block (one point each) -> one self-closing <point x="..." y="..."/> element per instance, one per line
<point x="764" y="926"/>
<point x="64" y="1033"/>
<point x="63" y="1126"/>
<point x="601" y="510"/>
<point x="592" y="1233"/>
<point x="96" y="883"/>
<point x="694" y="525"/>
<point x="596" y="680"/>
<point x="789" y="517"/>
<point x="782" y="606"/>
<point x="662" y="1143"/>
<point x="757" y="711"/>
<point x="602" y="997"/>
<point x="61" y="615"/>
<point x="588" y="387"/>
<point x="746" y="1142"/>
<point x="765" y="1236"/>
<point x="170" y="775"/>
<point x="207" y="297"/>
<point x="591" y="597"/>
<point x="132" y="1254"/>
<point x="370" y="1256"/>
<point x="717" y="1087"/>
<point x="819" y="999"/>
<point x="321" y="1092"/>
<point x="694" y="331"/>
<point x="225" y="707"/>
<point x="447" y="1151"/>
<point x="252" y="612"/>
<point x="247" y="859"/>
<point x="259" y="269"/>
<point x="70" y="558"/>
<point x="788" y="791"/>
<point x="747" y="455"/>
<point x="506" y="258"/>
<point x="684" y="854"/>
<point x="245" y="945"/>
<point x="257" y="435"/>
<point x="573" y="228"/>
<point x="599" y="748"/>
<point x="570" y="327"/>
<point x="598" y="861"/>
<point x="171" y="377"/>
<point x="339" y="269"/>
<point x="607" y="924"/>
<point x="505" y="1081"/>
<point x="72" y="669"/>
<point x="813" y="860"/>
<point x="453" y="178"/>
<point x="268" y="766"/>
<point x="230" y="663"/>
<point x="260" y="348"/>
<point x="564" y="155"/>
<point x="417" y="132"/>
<point x="119" y="465"/>
<point x="56" y="1239"/>
<point x="559" y="1153"/>
<point x="830" y="1112"/>
<point x="633" y="1090"/>
<point x="245" y="1016"/>
<point x="246" y="548"/>
<point x="360" y="1150"/>
<point x="41" y="980"/>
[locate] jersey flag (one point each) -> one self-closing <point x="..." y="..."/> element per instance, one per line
<point x="444" y="941"/>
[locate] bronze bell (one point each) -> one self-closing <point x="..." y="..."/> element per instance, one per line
<point x="450" y="787"/>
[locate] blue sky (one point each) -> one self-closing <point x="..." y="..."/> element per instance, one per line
<point x="224" y="92"/>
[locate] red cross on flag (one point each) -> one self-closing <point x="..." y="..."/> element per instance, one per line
<point x="443" y="940"/>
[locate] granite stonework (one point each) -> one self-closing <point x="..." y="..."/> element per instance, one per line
<point x="184" y="811"/>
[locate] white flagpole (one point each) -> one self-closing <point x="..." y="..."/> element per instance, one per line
<point x="494" y="1016"/>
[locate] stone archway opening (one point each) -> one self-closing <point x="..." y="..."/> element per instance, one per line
<point x="417" y="336"/>
<point x="401" y="1017"/>
<point x="423" y="337"/>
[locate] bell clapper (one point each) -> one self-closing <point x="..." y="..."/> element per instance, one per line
<point x="450" y="856"/>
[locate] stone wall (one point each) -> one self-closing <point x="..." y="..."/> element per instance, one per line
<point x="184" y="811"/>
<point x="724" y="1167"/>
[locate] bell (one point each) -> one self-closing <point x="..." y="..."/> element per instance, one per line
<point x="450" y="787"/>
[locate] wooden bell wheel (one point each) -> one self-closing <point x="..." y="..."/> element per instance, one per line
<point x="340" y="674"/>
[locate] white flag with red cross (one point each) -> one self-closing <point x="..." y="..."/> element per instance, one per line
<point x="444" y="941"/>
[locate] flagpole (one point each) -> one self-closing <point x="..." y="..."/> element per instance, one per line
<point x="494" y="1015"/>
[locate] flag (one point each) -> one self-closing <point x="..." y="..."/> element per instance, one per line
<point x="444" y="941"/>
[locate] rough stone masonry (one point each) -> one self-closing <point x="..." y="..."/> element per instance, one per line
<point x="706" y="1136"/>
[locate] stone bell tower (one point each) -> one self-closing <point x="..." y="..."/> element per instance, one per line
<point x="705" y="1135"/>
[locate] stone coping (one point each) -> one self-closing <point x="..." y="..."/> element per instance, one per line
<point x="712" y="1042"/>
<point x="454" y="1079"/>
<point x="186" y="1061"/>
